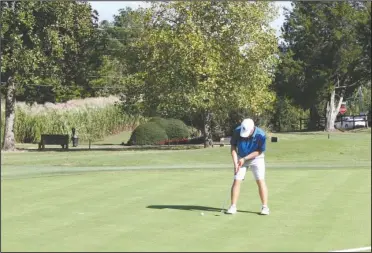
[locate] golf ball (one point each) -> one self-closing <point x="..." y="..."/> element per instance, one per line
<point x="202" y="213"/>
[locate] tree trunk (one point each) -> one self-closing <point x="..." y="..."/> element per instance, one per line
<point x="207" y="133"/>
<point x="332" y="111"/>
<point x="314" y="118"/>
<point x="9" y="141"/>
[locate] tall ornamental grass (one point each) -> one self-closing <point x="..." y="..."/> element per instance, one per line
<point x="91" y="120"/>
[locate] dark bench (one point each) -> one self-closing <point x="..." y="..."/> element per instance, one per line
<point x="56" y="139"/>
<point x="225" y="141"/>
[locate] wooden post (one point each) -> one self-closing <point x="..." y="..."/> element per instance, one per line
<point x="366" y="121"/>
<point x="300" y="124"/>
<point x="353" y="122"/>
<point x="89" y="143"/>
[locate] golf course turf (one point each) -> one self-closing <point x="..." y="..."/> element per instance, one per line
<point x="153" y="200"/>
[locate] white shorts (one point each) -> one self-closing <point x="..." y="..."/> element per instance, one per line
<point x="257" y="166"/>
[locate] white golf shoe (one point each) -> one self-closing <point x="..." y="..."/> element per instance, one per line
<point x="231" y="210"/>
<point x="265" y="210"/>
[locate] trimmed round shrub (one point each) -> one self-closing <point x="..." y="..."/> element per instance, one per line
<point x="149" y="133"/>
<point x="161" y="121"/>
<point x="176" y="129"/>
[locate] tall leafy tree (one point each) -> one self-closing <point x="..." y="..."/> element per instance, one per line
<point x="200" y="58"/>
<point x="119" y="57"/>
<point x="47" y="45"/>
<point x="323" y="56"/>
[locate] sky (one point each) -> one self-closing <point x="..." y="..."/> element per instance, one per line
<point x="107" y="9"/>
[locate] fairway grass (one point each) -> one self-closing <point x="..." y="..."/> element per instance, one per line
<point x="116" y="138"/>
<point x="319" y="196"/>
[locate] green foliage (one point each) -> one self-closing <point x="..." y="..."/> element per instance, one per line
<point x="360" y="101"/>
<point x="118" y="59"/>
<point x="324" y="49"/>
<point x="149" y="133"/>
<point x="90" y="123"/>
<point x="54" y="44"/>
<point x="193" y="62"/>
<point x="161" y="121"/>
<point x="47" y="51"/>
<point x="287" y="116"/>
<point x="176" y="129"/>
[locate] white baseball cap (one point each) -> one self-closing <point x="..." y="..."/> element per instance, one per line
<point x="246" y="127"/>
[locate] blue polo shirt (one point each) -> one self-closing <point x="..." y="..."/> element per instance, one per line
<point x="256" y="142"/>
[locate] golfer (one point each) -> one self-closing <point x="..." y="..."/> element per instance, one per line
<point x="248" y="144"/>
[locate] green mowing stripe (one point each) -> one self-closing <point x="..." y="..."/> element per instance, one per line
<point x="159" y="231"/>
<point x="278" y="182"/>
<point x="24" y="171"/>
<point x="100" y="206"/>
<point x="259" y="231"/>
<point x="319" y="196"/>
<point x="293" y="148"/>
<point x="113" y="218"/>
<point x="318" y="210"/>
<point x="42" y="188"/>
<point x="113" y="157"/>
<point x="352" y="218"/>
<point x="274" y="229"/>
<point x="312" y="209"/>
<point x="61" y="197"/>
<point x="80" y="184"/>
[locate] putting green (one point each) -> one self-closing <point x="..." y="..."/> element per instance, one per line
<point x="153" y="200"/>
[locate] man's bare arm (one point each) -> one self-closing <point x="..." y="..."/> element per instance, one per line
<point x="234" y="154"/>
<point x="252" y="155"/>
<point x="249" y="157"/>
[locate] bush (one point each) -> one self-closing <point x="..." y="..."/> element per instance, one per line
<point x="161" y="121"/>
<point x="174" y="128"/>
<point x="160" y="131"/>
<point x="287" y="117"/>
<point x="149" y="133"/>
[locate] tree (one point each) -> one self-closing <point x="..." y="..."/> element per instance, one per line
<point x="44" y="44"/>
<point x="118" y="59"/>
<point x="200" y="58"/>
<point x="20" y="57"/>
<point x="321" y="56"/>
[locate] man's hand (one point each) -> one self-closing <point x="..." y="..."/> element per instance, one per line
<point x="241" y="162"/>
<point x="236" y="168"/>
<point x="238" y="165"/>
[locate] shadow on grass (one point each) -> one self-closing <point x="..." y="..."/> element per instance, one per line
<point x="194" y="208"/>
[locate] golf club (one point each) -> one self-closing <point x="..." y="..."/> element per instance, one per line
<point x="224" y="203"/>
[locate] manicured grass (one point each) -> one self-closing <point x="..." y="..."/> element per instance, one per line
<point x="319" y="188"/>
<point x="116" y="139"/>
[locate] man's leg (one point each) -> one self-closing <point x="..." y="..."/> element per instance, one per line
<point x="235" y="189"/>
<point x="258" y="170"/>
<point x="262" y="190"/>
